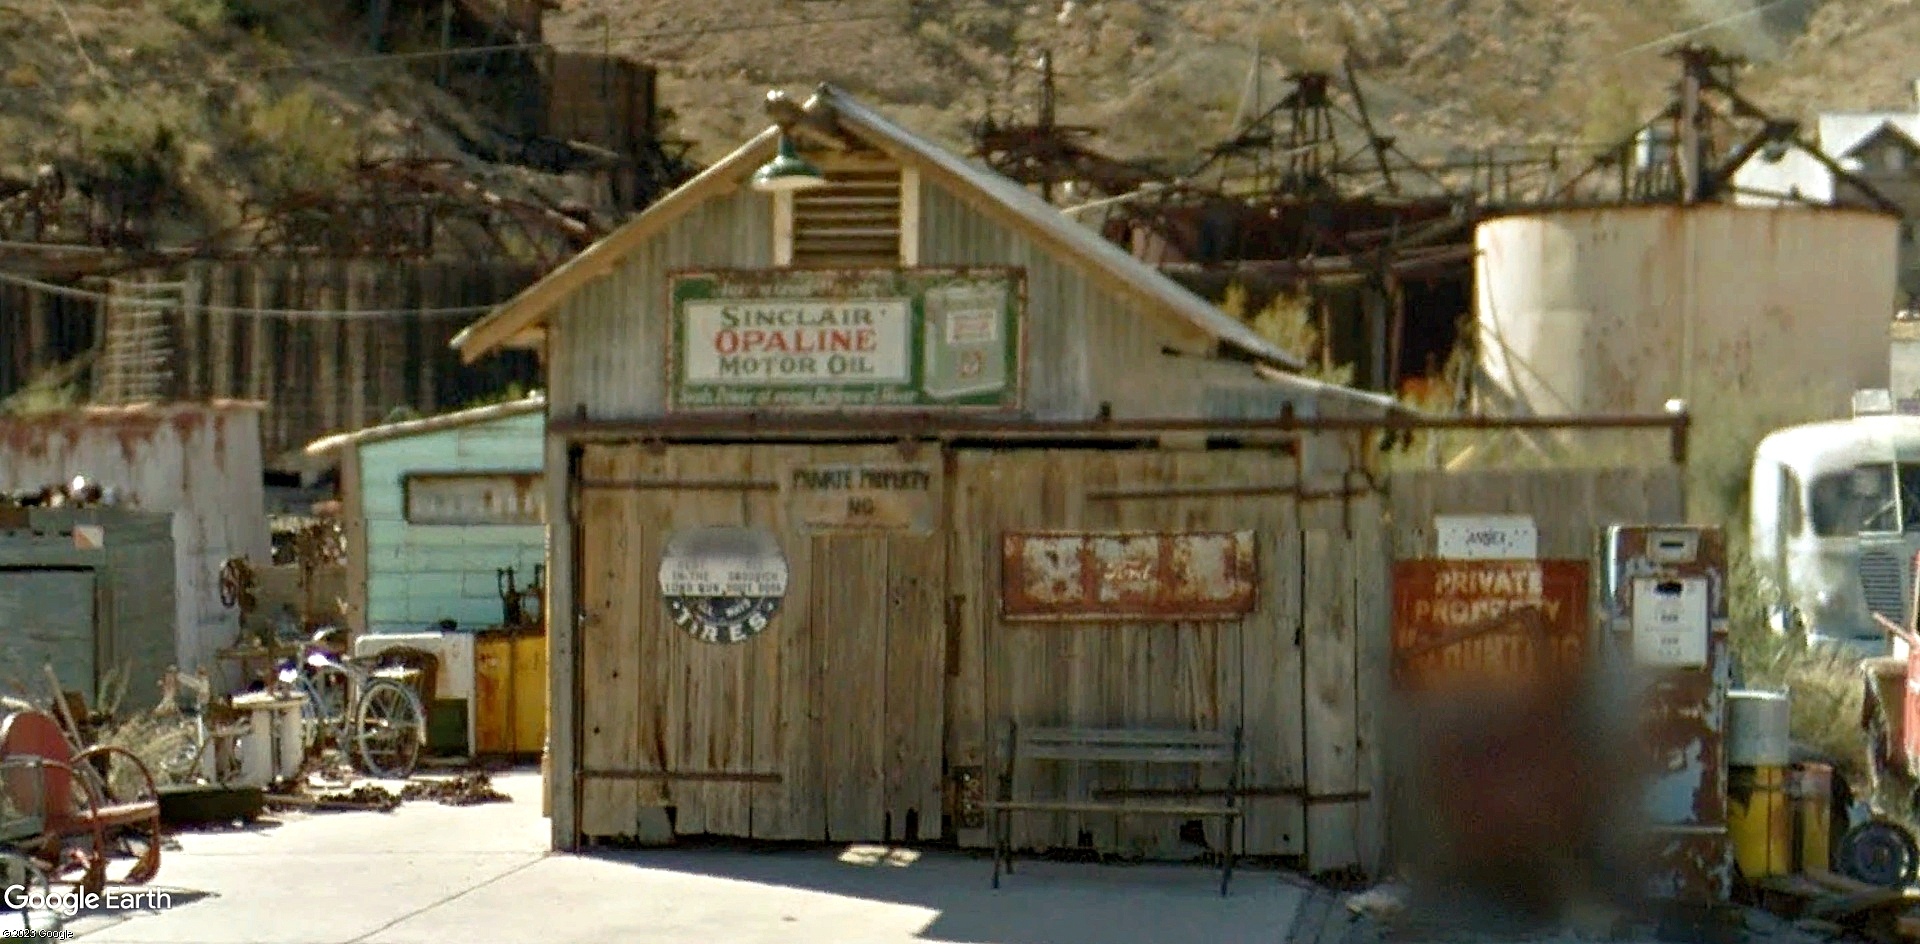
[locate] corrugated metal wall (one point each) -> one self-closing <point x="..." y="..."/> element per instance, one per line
<point x="1086" y="345"/>
<point x="419" y="574"/>
<point x="610" y="340"/>
<point x="198" y="462"/>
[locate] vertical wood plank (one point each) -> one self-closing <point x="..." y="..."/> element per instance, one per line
<point x="563" y="641"/>
<point x="1274" y="666"/>
<point x="190" y="378"/>
<point x="851" y="580"/>
<point x="358" y="299"/>
<point x="39" y="350"/>
<point x="970" y="742"/>
<point x="651" y="518"/>
<point x="326" y="335"/>
<point x="1329" y="700"/>
<point x="715" y="720"/>
<point x="783" y="707"/>
<point x="427" y="285"/>
<point x="220" y="330"/>
<point x="391" y="351"/>
<point x="259" y="295"/>
<point x="1373" y="627"/>
<point x="915" y="643"/>
<point x="606" y="805"/>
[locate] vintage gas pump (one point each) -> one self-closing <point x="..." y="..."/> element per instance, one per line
<point x="1666" y="592"/>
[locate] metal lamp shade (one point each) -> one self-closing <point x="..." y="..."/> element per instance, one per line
<point x="787" y="171"/>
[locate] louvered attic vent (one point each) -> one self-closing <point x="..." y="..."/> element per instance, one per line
<point x="852" y="221"/>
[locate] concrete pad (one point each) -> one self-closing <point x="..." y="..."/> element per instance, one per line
<point x="432" y="873"/>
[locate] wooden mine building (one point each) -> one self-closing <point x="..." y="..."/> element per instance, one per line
<point x="845" y="479"/>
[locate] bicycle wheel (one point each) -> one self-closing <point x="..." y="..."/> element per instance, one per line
<point x="324" y="716"/>
<point x="389" y="729"/>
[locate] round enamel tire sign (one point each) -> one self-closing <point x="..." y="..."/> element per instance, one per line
<point x="723" y="585"/>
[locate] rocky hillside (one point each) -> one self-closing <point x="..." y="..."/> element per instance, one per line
<point x="1164" y="77"/>
<point x="221" y="105"/>
<point x="212" y="106"/>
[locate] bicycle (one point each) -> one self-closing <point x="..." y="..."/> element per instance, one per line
<point x="370" y="713"/>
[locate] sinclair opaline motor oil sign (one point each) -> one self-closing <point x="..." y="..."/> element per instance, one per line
<point x="800" y="339"/>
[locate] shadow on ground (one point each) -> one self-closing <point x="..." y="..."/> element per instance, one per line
<point x="1044" y="902"/>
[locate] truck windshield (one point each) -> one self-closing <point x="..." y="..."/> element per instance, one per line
<point x="1869" y="498"/>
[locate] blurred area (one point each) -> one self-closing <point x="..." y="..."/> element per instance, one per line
<point x="1521" y="804"/>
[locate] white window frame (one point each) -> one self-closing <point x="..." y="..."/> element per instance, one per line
<point x="909" y="217"/>
<point x="909" y="255"/>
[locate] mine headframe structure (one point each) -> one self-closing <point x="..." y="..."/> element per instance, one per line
<point x="1310" y="144"/>
<point x="1046" y="154"/>
<point x="1690" y="150"/>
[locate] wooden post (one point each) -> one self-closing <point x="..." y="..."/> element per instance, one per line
<point x="356" y="330"/>
<point x="220" y="324"/>
<point x="258" y="366"/>
<point x="391" y="351"/>
<point x="1397" y="334"/>
<point x="39" y="333"/>
<point x="326" y="334"/>
<point x="431" y="296"/>
<point x="193" y="335"/>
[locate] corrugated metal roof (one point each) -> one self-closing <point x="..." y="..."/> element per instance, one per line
<point x="1041" y="218"/>
<point x="428" y="424"/>
<point x="1047" y="218"/>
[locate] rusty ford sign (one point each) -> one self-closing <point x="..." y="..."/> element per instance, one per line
<point x="1122" y="575"/>
<point x="1482" y="618"/>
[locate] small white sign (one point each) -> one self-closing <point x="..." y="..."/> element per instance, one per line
<point x="89" y="537"/>
<point x="1486" y="537"/>
<point x="1670" y="621"/>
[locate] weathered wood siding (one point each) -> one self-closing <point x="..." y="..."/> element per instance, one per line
<point x="419" y="574"/>
<point x="840" y="697"/>
<point x="1087" y="344"/>
<point x="317" y="374"/>
<point x="863" y="697"/>
<point x="1571" y="507"/>
<point x="1299" y="674"/>
<point x="608" y="348"/>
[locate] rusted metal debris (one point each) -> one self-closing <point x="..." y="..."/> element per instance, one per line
<point x="1128" y="575"/>
<point x="78" y="492"/>
<point x="366" y="797"/>
<point x="466" y="790"/>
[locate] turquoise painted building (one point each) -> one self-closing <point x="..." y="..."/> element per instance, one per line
<point x="434" y="509"/>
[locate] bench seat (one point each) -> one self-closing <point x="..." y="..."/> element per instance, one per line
<point x="1114" y="746"/>
<point x="1073" y="806"/>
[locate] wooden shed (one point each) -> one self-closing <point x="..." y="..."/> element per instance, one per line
<point x="433" y="508"/>
<point x="854" y="476"/>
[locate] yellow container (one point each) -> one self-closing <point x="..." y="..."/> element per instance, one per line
<point x="1812" y="796"/>
<point x="1760" y="821"/>
<point x="529" y="694"/>
<point x="510" y="691"/>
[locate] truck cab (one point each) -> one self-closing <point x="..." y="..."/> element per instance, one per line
<point x="1835" y="524"/>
